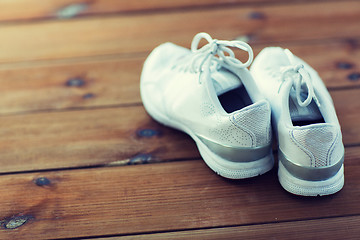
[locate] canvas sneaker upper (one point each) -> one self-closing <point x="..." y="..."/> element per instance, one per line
<point x="209" y="94"/>
<point x="311" y="151"/>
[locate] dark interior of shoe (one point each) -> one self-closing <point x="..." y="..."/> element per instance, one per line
<point x="235" y="99"/>
<point x="316" y="118"/>
<point x="307" y="122"/>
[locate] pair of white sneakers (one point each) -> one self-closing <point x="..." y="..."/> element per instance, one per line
<point x="211" y="95"/>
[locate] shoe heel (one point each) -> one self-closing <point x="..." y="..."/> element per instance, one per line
<point x="240" y="169"/>
<point x="310" y="181"/>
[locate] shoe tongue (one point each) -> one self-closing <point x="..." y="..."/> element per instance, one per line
<point x="224" y="81"/>
<point x="298" y="113"/>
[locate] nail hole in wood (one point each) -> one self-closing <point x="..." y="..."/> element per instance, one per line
<point x="354" y="77"/>
<point x="42" y="181"/>
<point x="257" y="15"/>
<point x="15" y="222"/>
<point x="148" y="133"/>
<point x="344" y="65"/>
<point x="75" y="82"/>
<point x="88" y="96"/>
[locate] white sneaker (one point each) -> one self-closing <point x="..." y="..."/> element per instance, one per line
<point x="311" y="152"/>
<point x="211" y="97"/>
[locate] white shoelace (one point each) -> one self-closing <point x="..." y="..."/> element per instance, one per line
<point x="219" y="48"/>
<point x="299" y="76"/>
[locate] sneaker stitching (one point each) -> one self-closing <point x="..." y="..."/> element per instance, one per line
<point x="252" y="136"/>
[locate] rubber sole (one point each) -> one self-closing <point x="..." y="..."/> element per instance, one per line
<point x="310" y="188"/>
<point x="235" y="170"/>
<point x="223" y="167"/>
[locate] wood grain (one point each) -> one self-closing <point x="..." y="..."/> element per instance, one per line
<point x="114" y="136"/>
<point x="347" y="119"/>
<point x="73" y="127"/>
<point x="330" y="228"/>
<point x="122" y="34"/>
<point x="11" y="10"/>
<point x="114" y="80"/>
<point x="71" y="84"/>
<point x="95" y="137"/>
<point x="156" y="197"/>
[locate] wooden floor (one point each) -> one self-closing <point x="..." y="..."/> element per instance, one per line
<point x="81" y="159"/>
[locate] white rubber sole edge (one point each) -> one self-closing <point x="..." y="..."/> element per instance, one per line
<point x="223" y="167"/>
<point x="310" y="188"/>
<point x="235" y="170"/>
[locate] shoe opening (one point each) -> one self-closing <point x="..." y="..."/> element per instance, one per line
<point x="302" y="116"/>
<point x="235" y="99"/>
<point x="307" y="122"/>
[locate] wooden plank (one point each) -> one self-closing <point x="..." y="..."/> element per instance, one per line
<point x="71" y="84"/>
<point x="122" y="34"/>
<point x="329" y="228"/>
<point x="347" y="117"/>
<point x="155" y="197"/>
<point x="11" y="10"/>
<point x="114" y="136"/>
<point x="110" y="81"/>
